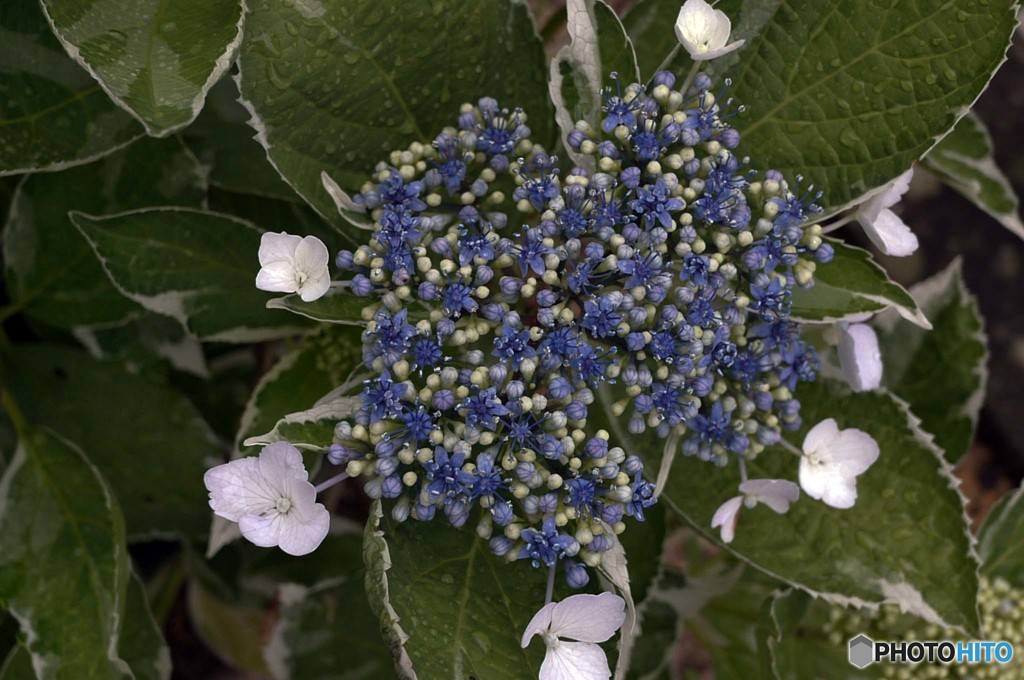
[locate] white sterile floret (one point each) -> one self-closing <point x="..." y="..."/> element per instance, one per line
<point x="884" y="227"/>
<point x="859" y="356"/>
<point x="271" y="499"/>
<point x="704" y="31"/>
<point x="585" y="620"/>
<point x="832" y="459"/>
<point x="294" y="264"/>
<point x="777" y="494"/>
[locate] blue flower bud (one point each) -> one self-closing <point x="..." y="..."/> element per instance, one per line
<point x="510" y="285"/>
<point x="596" y="447"/>
<point x="559" y="388"/>
<point x="502" y="513"/>
<point x="345" y="259"/>
<point x="391" y="487"/>
<point x="575" y="138"/>
<point x="576" y="575"/>
<point x="611" y="514"/>
<point x="824" y="253"/>
<point x="424" y="513"/>
<point x="547" y="298"/>
<point x="500" y="545"/>
<point x="427" y="291"/>
<point x="576" y="411"/>
<point x="361" y="286"/>
<point x="666" y="78"/>
<point x="632" y="465"/>
<point x="338" y="454"/>
<point x="386" y="466"/>
<point x="400" y="511"/>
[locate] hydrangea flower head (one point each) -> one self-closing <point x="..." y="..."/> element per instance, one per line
<point x="505" y="290"/>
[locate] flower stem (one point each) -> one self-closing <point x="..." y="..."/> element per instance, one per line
<point x="668" y="60"/>
<point x="551" y="584"/>
<point x="843" y="221"/>
<point x="743" y="468"/>
<point x="789" y="447"/>
<point x="328" y="483"/>
<point x="694" y="70"/>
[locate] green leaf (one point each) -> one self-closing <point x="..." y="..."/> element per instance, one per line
<point x="644" y="544"/>
<point x="406" y="70"/>
<point x="50" y="270"/>
<point x="52" y="114"/>
<point x="905" y="541"/>
<point x="849" y="95"/>
<point x="796" y="644"/>
<point x="447" y="605"/>
<point x="62" y="540"/>
<point x="941" y="373"/>
<point x="327" y="630"/>
<point x="598" y="47"/>
<point x="145" y="341"/>
<point x="299" y="378"/>
<point x="142" y="643"/>
<point x="1001" y="540"/>
<point x="650" y="25"/>
<point x="850" y="285"/>
<point x="196" y="266"/>
<point x="964" y="160"/>
<point x="138" y="433"/>
<point x="313" y="428"/>
<point x="223" y="140"/>
<point x="232" y="630"/>
<point x="338" y="306"/>
<point x="156" y="58"/>
<point x="17" y="665"/>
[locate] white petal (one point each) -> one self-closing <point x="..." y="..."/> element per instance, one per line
<point x="725" y="517"/>
<point x="277" y="277"/>
<point x="588" y="618"/>
<point x="821" y="436"/>
<point x="315" y="288"/>
<point x="238" y="488"/>
<point x="311" y="256"/>
<point x="777" y="494"/>
<point x="261" y="530"/>
<point x="304" y="527"/>
<point x="815" y="479"/>
<point x="277" y="247"/>
<point x="575" y="661"/>
<point x="840" y="493"/>
<point x="720" y="32"/>
<point x="540" y="622"/>
<point x="282" y="461"/>
<point x="886" y="197"/>
<point x="853" y="451"/>
<point x="890" y="234"/>
<point x="714" y="54"/>
<point x="860" y="358"/>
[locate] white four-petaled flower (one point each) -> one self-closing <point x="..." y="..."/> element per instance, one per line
<point x="859" y="356"/>
<point x="704" y="31"/>
<point x="777" y="494"/>
<point x="271" y="499"/>
<point x="293" y="264"/>
<point x="586" y="620"/>
<point x="884" y="227"/>
<point x="832" y="459"/>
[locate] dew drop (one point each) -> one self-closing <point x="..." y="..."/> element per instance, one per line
<point x="276" y="78"/>
<point x="849" y="138"/>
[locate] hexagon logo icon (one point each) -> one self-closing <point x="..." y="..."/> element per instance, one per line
<point x="862" y="651"/>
